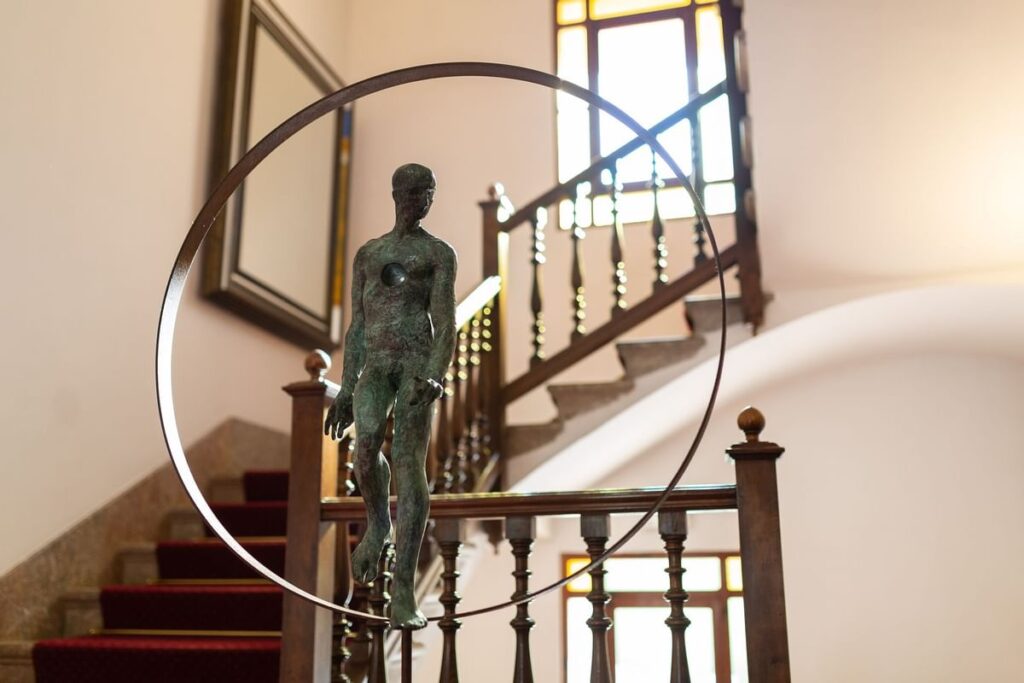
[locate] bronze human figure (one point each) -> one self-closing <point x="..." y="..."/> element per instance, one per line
<point x="397" y="350"/>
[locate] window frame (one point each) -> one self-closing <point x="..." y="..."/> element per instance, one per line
<point x="688" y="14"/>
<point x="716" y="600"/>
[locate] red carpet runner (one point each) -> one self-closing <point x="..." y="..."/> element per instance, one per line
<point x="203" y="588"/>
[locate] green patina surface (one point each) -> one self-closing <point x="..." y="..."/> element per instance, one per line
<point x="397" y="350"/>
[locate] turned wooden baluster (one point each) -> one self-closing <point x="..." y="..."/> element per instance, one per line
<point x="486" y="393"/>
<point x="618" y="260"/>
<point x="658" y="230"/>
<point x="672" y="527"/>
<point x="446" y="480"/>
<point x="757" y="504"/>
<point x="538" y="222"/>
<point x="520" y="532"/>
<point x="462" y="412"/>
<point x="579" y="299"/>
<point x="450" y="534"/>
<point x="379" y="600"/>
<point x="343" y="632"/>
<point x="595" y="531"/>
<point x="473" y="400"/>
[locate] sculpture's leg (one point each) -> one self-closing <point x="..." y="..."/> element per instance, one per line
<point x="409" y="453"/>
<point x="373" y="396"/>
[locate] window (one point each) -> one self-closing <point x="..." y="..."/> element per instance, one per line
<point x="650" y="57"/>
<point x="640" y="641"/>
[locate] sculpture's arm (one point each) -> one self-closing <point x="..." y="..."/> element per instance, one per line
<point x="442" y="314"/>
<point x="355" y="338"/>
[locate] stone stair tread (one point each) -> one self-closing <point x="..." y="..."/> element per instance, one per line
<point x="523" y="438"/>
<point x="575" y="399"/>
<point x="643" y="356"/>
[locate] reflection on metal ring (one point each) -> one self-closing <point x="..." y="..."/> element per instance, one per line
<point x="259" y="152"/>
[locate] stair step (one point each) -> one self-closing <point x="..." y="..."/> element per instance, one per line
<point x="264" y="518"/>
<point x="524" y="438"/>
<point x="205" y="608"/>
<point x="704" y="312"/>
<point x="639" y="358"/>
<point x="16" y="661"/>
<point x="211" y="559"/>
<point x="106" y="659"/>
<point x="264" y="485"/>
<point x="575" y="399"/>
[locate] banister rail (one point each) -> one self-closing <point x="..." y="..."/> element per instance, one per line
<point x="562" y="190"/>
<point x="545" y="504"/>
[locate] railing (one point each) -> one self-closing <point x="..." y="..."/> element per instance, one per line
<point x="754" y="495"/>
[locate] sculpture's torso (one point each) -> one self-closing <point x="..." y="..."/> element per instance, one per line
<point x="398" y="276"/>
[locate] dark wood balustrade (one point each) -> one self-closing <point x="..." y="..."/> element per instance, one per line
<point x="465" y="454"/>
<point x="754" y="495"/>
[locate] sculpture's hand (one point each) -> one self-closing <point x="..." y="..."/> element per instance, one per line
<point x="424" y="391"/>
<point x="339" y="416"/>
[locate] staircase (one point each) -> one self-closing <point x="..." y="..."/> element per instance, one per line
<point x="188" y="609"/>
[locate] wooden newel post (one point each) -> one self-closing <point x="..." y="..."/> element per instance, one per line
<point x="761" y="552"/>
<point x="309" y="561"/>
<point x="495" y="262"/>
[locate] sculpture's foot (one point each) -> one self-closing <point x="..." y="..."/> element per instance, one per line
<point x="404" y="614"/>
<point x="366" y="557"/>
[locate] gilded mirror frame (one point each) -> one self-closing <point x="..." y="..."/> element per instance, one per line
<point x="224" y="281"/>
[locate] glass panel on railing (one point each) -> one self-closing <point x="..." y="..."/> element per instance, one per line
<point x="720" y="198"/>
<point x="643" y="70"/>
<point x="578" y="640"/>
<point x="573" y="113"/>
<point x="733" y="574"/>
<point x="604" y="9"/>
<point x="716" y="140"/>
<point x="710" y="51"/>
<point x="737" y="640"/>
<point x="571" y="11"/>
<point x="643" y="644"/>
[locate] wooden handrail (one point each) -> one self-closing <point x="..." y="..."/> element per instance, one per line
<point x="583" y="346"/>
<point x="464" y="312"/>
<point x="553" y="503"/>
<point x="561" y="191"/>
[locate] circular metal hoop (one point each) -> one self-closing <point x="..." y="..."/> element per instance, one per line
<point x="197" y="234"/>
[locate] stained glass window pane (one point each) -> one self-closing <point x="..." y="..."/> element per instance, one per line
<point x="737" y="640"/>
<point x="571" y="11"/>
<point x="580" y="584"/>
<point x="702" y="574"/>
<point x="643" y="71"/>
<point x="573" y="113"/>
<point x="710" y="51"/>
<point x="643" y="644"/>
<point x="720" y="198"/>
<point x="716" y="139"/>
<point x="636" y="574"/>
<point x="733" y="573"/>
<point x="603" y="9"/>
<point x="700" y="644"/>
<point x="577" y="640"/>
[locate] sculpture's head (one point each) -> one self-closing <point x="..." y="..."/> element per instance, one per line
<point x="413" y="186"/>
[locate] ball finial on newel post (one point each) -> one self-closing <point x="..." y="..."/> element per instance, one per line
<point x="317" y="364"/>
<point x="751" y="422"/>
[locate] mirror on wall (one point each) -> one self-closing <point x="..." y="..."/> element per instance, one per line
<point x="276" y="253"/>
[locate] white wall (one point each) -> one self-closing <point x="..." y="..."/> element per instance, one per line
<point x="105" y="133"/>
<point x="900" y="511"/>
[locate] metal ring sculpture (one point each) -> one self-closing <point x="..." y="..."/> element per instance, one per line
<point x="230" y="182"/>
